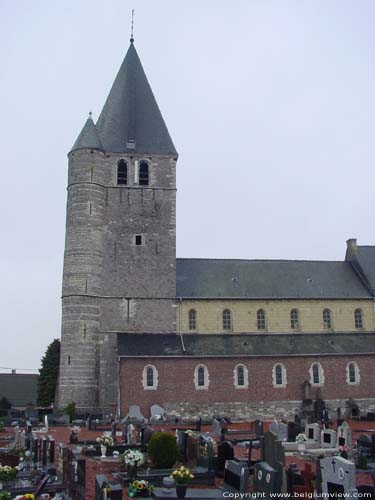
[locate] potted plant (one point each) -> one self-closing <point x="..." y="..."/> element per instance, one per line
<point x="5" y="495"/>
<point x="140" y="488"/>
<point x="181" y="477"/>
<point x="132" y="459"/>
<point x="163" y="450"/>
<point x="104" y="442"/>
<point x="7" y="473"/>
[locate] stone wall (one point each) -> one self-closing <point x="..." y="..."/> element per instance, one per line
<point x="110" y="284"/>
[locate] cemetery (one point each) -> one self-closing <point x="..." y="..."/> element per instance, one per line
<point x="96" y="457"/>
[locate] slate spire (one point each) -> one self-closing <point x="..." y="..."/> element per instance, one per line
<point x="88" y="138"/>
<point x="131" y="120"/>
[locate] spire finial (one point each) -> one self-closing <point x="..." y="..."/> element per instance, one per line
<point x="90" y="114"/>
<point x="132" y="28"/>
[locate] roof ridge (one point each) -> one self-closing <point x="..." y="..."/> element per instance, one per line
<point x="261" y="260"/>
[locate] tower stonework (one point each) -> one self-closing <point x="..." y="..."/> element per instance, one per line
<point x="120" y="250"/>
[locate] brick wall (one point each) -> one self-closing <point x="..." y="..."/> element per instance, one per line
<point x="244" y="313"/>
<point x="176" y="389"/>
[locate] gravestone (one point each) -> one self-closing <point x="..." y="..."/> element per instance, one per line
<point x="135" y="414"/>
<point x="344" y="435"/>
<point x="294" y="429"/>
<point x="272" y="452"/>
<point x="51" y="449"/>
<point x="338" y="477"/>
<point x="312" y="432"/>
<point x="328" y="438"/>
<point x="274" y="427"/>
<point x="224" y="452"/>
<point x="192" y="450"/>
<point x="216" y="427"/>
<point x="236" y="477"/>
<point x="266" y="480"/>
<point x="181" y="445"/>
<point x="258" y="428"/>
<point x="43" y="448"/>
<point x="35" y="449"/>
<point x="157" y="413"/>
<point x="366" y="446"/>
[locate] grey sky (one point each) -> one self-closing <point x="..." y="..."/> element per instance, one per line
<point x="270" y="104"/>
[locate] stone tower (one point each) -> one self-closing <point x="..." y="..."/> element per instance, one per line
<point x="120" y="249"/>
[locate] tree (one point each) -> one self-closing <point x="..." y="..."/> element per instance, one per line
<point x="48" y="374"/>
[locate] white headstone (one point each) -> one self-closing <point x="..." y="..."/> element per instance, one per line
<point x="328" y="438"/>
<point x="312" y="432"/>
<point x="344" y="435"/>
<point x="338" y="477"/>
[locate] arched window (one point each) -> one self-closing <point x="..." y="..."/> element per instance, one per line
<point x="192" y="319"/>
<point x="316" y="374"/>
<point x="327" y="319"/>
<point x="227" y="319"/>
<point x="358" y="320"/>
<point x="240" y="377"/>
<point x="122" y="173"/>
<point x="294" y="320"/>
<point x="201" y="379"/>
<point x="261" y="319"/>
<point x="143" y="174"/>
<point x="352" y="373"/>
<point x="150" y="378"/>
<point x="279" y="375"/>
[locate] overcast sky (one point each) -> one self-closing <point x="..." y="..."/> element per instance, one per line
<point x="270" y="104"/>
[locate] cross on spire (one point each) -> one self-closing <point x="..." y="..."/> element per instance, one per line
<point x="132" y="28"/>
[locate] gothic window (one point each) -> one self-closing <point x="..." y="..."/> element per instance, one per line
<point x="352" y="373"/>
<point x="201" y="379"/>
<point x="122" y="173"/>
<point x="294" y="320"/>
<point x="279" y="375"/>
<point x="261" y="319"/>
<point x="327" y="319"/>
<point x="358" y="320"/>
<point x="192" y="319"/>
<point x="150" y="378"/>
<point x="227" y="320"/>
<point x="241" y="377"/>
<point x="143" y="174"/>
<point x="316" y="374"/>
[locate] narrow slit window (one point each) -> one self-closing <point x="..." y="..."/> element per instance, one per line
<point x="240" y="375"/>
<point x="138" y="239"/>
<point x="279" y="375"/>
<point x="122" y="173"/>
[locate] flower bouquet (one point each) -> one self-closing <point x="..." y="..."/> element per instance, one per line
<point x="132" y="459"/>
<point x="7" y="473"/>
<point x="301" y="438"/>
<point x="105" y="440"/>
<point x="140" y="488"/>
<point x="181" y="477"/>
<point x="5" y="495"/>
<point x="26" y="496"/>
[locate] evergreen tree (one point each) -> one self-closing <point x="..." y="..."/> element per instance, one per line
<point x="48" y="374"/>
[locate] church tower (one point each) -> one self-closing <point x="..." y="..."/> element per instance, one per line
<point x="120" y="249"/>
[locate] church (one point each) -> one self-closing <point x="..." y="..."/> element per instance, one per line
<point x="199" y="337"/>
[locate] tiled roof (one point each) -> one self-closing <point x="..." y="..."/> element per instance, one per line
<point x="20" y="389"/>
<point x="268" y="279"/>
<point x="221" y="345"/>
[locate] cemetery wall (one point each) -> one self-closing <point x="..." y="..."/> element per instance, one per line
<point x="178" y="393"/>
<point x="244" y="313"/>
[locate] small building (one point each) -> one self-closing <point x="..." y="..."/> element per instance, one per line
<point x="19" y="389"/>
